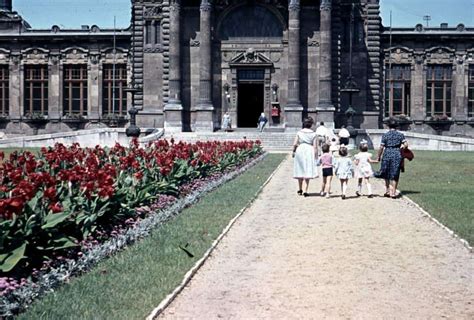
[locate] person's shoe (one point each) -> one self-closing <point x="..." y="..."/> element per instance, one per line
<point x="299" y="192"/>
<point x="386" y="195"/>
<point x="306" y="194"/>
<point x="322" y="193"/>
<point x="343" y="197"/>
<point x="328" y="196"/>
<point x="370" y="196"/>
<point x="358" y="193"/>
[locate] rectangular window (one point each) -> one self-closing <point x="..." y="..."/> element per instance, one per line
<point x="438" y="90"/>
<point x="75" y="90"/>
<point x="4" y="90"/>
<point x="152" y="31"/>
<point x="36" y="90"/>
<point x="470" y="94"/>
<point x="148" y="32"/>
<point x="397" y="90"/>
<point x="114" y="97"/>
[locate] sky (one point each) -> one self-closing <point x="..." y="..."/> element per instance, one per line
<point x="74" y="13"/>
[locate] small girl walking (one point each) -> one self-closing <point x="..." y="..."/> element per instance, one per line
<point x="326" y="161"/>
<point x="364" y="171"/>
<point x="344" y="170"/>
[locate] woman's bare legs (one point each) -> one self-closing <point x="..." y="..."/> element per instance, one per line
<point x="300" y="186"/>
<point x="329" y="180"/>
<point x="306" y="182"/>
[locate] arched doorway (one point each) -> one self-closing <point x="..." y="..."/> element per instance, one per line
<point x="250" y="34"/>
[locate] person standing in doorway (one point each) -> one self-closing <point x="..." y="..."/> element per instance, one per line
<point x="262" y="121"/>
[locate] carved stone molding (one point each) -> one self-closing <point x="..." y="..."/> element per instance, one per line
<point x="419" y="58"/>
<point x="175" y="5"/>
<point x="154" y="49"/>
<point x="325" y="5"/>
<point x="294" y="5"/>
<point x="107" y="55"/>
<point x="74" y="55"/>
<point x="205" y="5"/>
<point x="4" y="56"/>
<point x="461" y="27"/>
<point x="399" y="55"/>
<point x="155" y="12"/>
<point x="438" y="55"/>
<point x="35" y="56"/>
<point x="55" y="58"/>
<point x="194" y="43"/>
<point x="419" y="28"/>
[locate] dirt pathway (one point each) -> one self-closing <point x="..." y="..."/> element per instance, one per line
<point x="291" y="257"/>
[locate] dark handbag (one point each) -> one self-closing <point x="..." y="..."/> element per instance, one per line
<point x="407" y="154"/>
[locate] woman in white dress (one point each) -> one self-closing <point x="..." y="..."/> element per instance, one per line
<point x="305" y="148"/>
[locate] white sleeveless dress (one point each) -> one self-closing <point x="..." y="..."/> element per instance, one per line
<point x="304" y="161"/>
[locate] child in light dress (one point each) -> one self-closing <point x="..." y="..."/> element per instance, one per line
<point x="363" y="170"/>
<point x="344" y="170"/>
<point x="326" y="160"/>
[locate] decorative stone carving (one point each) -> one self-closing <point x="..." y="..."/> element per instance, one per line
<point x="94" y="58"/>
<point x="419" y="58"/>
<point x="55" y="29"/>
<point x="438" y="55"/>
<point x="95" y="29"/>
<point x="275" y="56"/>
<point x="107" y="55"/>
<point x="155" y="12"/>
<point x="461" y="27"/>
<point x="205" y="5"/>
<point x="250" y="56"/>
<point x="154" y="49"/>
<point x="399" y="55"/>
<point x="419" y="28"/>
<point x="74" y="55"/>
<point x="294" y="5"/>
<point x="54" y="58"/>
<point x="194" y="43"/>
<point x="313" y="43"/>
<point x="4" y="56"/>
<point x="325" y="5"/>
<point x="35" y="56"/>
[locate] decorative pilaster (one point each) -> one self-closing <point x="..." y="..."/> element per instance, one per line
<point x="294" y="109"/>
<point x="325" y="107"/>
<point x="16" y="81"/>
<point x="173" y="109"/>
<point x="204" y="109"/>
<point x="54" y="103"/>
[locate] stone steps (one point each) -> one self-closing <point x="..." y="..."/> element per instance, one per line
<point x="270" y="140"/>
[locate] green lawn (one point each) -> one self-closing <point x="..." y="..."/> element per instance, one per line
<point x="443" y="184"/>
<point x="130" y="284"/>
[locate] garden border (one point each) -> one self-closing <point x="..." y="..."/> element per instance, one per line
<point x="19" y="299"/>
<point x="190" y="274"/>
<point x="426" y="214"/>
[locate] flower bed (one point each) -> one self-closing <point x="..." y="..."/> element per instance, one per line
<point x="57" y="207"/>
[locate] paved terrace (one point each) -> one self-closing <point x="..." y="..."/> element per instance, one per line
<point x="294" y="257"/>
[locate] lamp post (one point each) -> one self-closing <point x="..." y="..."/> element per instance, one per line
<point x="350" y="86"/>
<point x="133" y="130"/>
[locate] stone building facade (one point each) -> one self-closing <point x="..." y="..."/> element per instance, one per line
<point x="194" y="60"/>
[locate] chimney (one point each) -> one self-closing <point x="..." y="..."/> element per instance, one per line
<point x="444" y="25"/>
<point x="6" y="5"/>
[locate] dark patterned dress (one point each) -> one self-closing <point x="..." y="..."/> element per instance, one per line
<point x="392" y="158"/>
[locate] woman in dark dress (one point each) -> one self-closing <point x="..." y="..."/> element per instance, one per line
<point x="390" y="155"/>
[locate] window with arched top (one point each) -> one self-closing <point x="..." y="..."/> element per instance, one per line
<point x="250" y="21"/>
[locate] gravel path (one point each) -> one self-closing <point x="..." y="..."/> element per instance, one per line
<point x="291" y="257"/>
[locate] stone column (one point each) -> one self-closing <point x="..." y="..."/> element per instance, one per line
<point x="417" y="112"/>
<point x="325" y="107"/>
<point x="204" y="109"/>
<point x="16" y="82"/>
<point x="54" y="86"/>
<point x="94" y="112"/>
<point x="174" y="109"/>
<point x="293" y="109"/>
